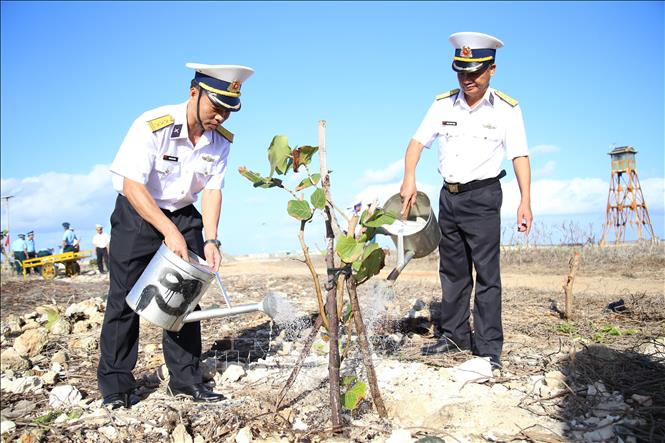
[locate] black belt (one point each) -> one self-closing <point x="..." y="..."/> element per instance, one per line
<point x="456" y="188"/>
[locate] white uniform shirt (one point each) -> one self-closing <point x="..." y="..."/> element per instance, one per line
<point x="173" y="170"/>
<point x="473" y="142"/>
<point x="100" y="240"/>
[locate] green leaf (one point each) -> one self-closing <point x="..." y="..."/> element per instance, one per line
<point x="307" y="182"/>
<point x="371" y="263"/>
<point x="250" y="175"/>
<point x="299" y="209"/>
<point x="348" y="249"/>
<point x="258" y="181"/>
<point x="306" y="154"/>
<point x="348" y="380"/>
<point x="46" y="418"/>
<point x="268" y="183"/>
<point x="278" y="154"/>
<point x="318" y="198"/>
<point x="377" y="219"/>
<point x="368" y="235"/>
<point x="346" y="312"/>
<point x="352" y="397"/>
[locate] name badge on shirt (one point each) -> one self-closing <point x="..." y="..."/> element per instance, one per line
<point x="446" y="123"/>
<point x="170" y="158"/>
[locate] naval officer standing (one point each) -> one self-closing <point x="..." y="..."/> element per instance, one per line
<point x="476" y="126"/>
<point x="169" y="156"/>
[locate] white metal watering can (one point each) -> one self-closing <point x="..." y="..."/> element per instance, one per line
<point x="416" y="236"/>
<point x="170" y="288"/>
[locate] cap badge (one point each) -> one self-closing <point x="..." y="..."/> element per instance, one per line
<point x="234" y="87"/>
<point x="466" y="51"/>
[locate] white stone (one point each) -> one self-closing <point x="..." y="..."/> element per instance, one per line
<point x="601" y="434"/>
<point x="11" y="359"/>
<point x="400" y="436"/>
<point x="7" y="426"/>
<point x="59" y="357"/>
<point x="180" y="434"/>
<point x="64" y="396"/>
<point x="31" y="342"/>
<point x="49" y="377"/>
<point x="23" y="385"/>
<point x="643" y="400"/>
<point x="299" y="425"/>
<point x="109" y="432"/>
<point x="244" y="435"/>
<point x="233" y="373"/>
<point x="476" y="370"/>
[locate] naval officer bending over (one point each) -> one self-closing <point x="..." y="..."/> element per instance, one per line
<point x="169" y="156"/>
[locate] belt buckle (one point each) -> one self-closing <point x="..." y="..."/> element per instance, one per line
<point x="453" y="187"/>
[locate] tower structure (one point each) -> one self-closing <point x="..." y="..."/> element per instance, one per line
<point x="626" y="208"/>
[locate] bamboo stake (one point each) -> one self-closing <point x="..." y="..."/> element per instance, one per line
<point x="568" y="286"/>
<point x="331" y="303"/>
<point x="312" y="271"/>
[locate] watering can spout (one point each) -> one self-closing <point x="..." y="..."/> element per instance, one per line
<point x="268" y="306"/>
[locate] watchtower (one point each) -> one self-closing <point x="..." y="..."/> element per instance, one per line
<point x="626" y="208"/>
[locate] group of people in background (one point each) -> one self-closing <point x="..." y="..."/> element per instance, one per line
<point x="23" y="248"/>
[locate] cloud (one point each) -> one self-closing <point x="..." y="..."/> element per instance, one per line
<point x="385" y="191"/>
<point x="546" y="170"/>
<point x="576" y="196"/>
<point x="390" y="173"/>
<point x="543" y="149"/>
<point x="43" y="202"/>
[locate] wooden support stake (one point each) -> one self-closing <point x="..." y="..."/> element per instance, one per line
<point x="568" y="286"/>
<point x="364" y="347"/>
<point x="331" y="302"/>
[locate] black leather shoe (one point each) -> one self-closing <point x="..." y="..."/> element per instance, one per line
<point x="197" y="392"/>
<point x="442" y="346"/>
<point x="121" y="400"/>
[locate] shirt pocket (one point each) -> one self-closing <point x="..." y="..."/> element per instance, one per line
<point x="489" y="133"/>
<point x="206" y="168"/>
<point x="167" y="173"/>
<point x="167" y="168"/>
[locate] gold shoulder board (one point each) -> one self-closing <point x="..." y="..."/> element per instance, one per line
<point x="225" y="133"/>
<point x="447" y="94"/>
<point x="160" y="122"/>
<point x="506" y="98"/>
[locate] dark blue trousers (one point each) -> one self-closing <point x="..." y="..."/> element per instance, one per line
<point x="134" y="242"/>
<point x="470" y="225"/>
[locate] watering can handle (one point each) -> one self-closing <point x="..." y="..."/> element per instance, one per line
<point x="222" y="289"/>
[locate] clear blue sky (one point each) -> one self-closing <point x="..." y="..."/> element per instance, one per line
<point x="75" y="75"/>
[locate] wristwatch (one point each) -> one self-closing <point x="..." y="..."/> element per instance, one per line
<point x="214" y="241"/>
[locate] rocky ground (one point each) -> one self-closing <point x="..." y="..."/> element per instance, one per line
<point x="597" y="377"/>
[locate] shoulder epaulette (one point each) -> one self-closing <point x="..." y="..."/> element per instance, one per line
<point x="447" y="94"/>
<point x="225" y="133"/>
<point x="160" y="122"/>
<point x="506" y="98"/>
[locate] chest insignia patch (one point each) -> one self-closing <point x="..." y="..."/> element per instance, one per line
<point x="489" y="126"/>
<point x="176" y="131"/>
<point x="170" y="158"/>
<point x="446" y="123"/>
<point x="160" y="122"/>
<point x="207" y="158"/>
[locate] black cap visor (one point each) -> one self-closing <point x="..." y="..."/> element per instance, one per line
<point x="469" y="67"/>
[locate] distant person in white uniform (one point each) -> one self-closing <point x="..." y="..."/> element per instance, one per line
<point x="477" y="127"/>
<point x="169" y="156"/>
<point x="101" y="243"/>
